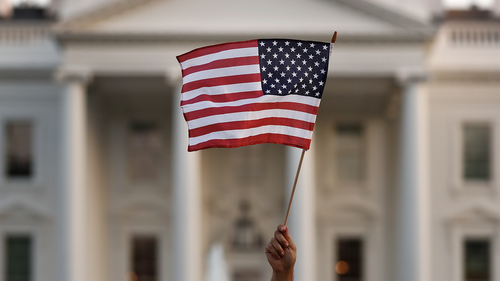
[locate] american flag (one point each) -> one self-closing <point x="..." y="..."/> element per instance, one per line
<point x="250" y="92"/>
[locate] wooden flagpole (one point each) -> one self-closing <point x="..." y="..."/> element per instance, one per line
<point x="334" y="38"/>
<point x="294" y="186"/>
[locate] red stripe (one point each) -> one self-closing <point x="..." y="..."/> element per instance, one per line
<point x="216" y="48"/>
<point x="248" y="124"/>
<point x="222" y="63"/>
<point x="219" y="81"/>
<point x="251" y="107"/>
<point x="264" y="138"/>
<point x="223" y="97"/>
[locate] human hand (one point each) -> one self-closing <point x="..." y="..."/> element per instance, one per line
<point x="281" y="254"/>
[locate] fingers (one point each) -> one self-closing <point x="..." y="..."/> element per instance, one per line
<point x="270" y="249"/>
<point x="283" y="230"/>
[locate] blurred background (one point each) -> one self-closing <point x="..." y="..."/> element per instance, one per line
<point x="402" y="181"/>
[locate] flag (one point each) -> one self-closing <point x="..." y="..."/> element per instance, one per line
<point x="250" y="92"/>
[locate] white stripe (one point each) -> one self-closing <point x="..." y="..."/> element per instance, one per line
<point x="243" y="133"/>
<point x="251" y="115"/>
<point x="221" y="72"/>
<point x="224" y="89"/>
<point x="227" y="54"/>
<point x="264" y="99"/>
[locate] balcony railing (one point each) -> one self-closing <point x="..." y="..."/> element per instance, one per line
<point x="474" y="35"/>
<point x="17" y="33"/>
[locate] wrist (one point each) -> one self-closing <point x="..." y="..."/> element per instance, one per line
<point x="285" y="275"/>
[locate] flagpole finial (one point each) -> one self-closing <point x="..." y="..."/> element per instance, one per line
<point x="334" y="38"/>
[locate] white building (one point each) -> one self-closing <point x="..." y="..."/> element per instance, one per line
<point x="401" y="182"/>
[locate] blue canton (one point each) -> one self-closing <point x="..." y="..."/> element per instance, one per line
<point x="290" y="67"/>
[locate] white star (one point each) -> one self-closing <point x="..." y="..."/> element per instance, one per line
<point x="316" y="63"/>
<point x="268" y="91"/>
<point x="276" y="80"/>
<point x="306" y="74"/>
<point x="296" y="90"/>
<point x="287" y="68"/>
<point x="268" y="49"/>
<point x="275" y="55"/>
<point x="318" y="52"/>
<point x="262" y="44"/>
<point x="282" y="62"/>
<point x="289" y="80"/>
<point x="276" y="68"/>
<point x="299" y="44"/>
<point x="295" y="86"/>
<point x="264" y="81"/>
<point x="287" y="43"/>
<point x="263" y="56"/>
<point x="280" y="49"/>
<point x="314" y="88"/>
<point x="284" y="86"/>
<point x="287" y="55"/>
<point x="292" y="61"/>
<point x="310" y="81"/>
<point x="275" y="43"/>
<point x="303" y="86"/>
<point x="323" y="59"/>
<point x="279" y="91"/>
<point x="263" y="69"/>
<point x="305" y="50"/>
<point x="299" y="68"/>
<point x="298" y="56"/>
<point x="272" y="86"/>
<point x="310" y="68"/>
<point x="289" y="91"/>
<point x="312" y="45"/>
<point x="292" y="49"/>
<point x="322" y="71"/>
<point x="282" y="74"/>
<point x="300" y="80"/>
<point x="317" y="94"/>
<point x="307" y="92"/>
<point x="311" y="56"/>
<point x="315" y="76"/>
<point x="294" y="74"/>
<point x="304" y="62"/>
<point x="269" y="62"/>
<point x="325" y="47"/>
<point x="270" y="74"/>
<point x="321" y="83"/>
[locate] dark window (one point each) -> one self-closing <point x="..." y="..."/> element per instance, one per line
<point x="349" y="264"/>
<point x="19" y="149"/>
<point x="145" y="151"/>
<point x="18" y="258"/>
<point x="477" y="152"/>
<point x="144" y="258"/>
<point x="350" y="152"/>
<point x="477" y="260"/>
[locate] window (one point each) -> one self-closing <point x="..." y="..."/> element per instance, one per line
<point x="18" y="258"/>
<point x="350" y="154"/>
<point x="145" y="151"/>
<point x="477" y="260"/>
<point x="144" y="258"/>
<point x="477" y="152"/>
<point x="247" y="275"/>
<point x="349" y="262"/>
<point x="18" y="149"/>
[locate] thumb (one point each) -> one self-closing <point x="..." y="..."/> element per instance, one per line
<point x="286" y="233"/>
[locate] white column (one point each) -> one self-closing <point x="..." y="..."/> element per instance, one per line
<point x="302" y="219"/>
<point x="413" y="259"/>
<point x="187" y="201"/>
<point x="73" y="187"/>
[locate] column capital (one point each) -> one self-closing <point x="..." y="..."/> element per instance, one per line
<point x="74" y="74"/>
<point x="410" y="76"/>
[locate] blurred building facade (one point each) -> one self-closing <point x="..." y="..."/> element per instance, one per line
<point x="402" y="181"/>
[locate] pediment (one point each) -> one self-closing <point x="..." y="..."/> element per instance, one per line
<point x="475" y="213"/>
<point x="310" y="18"/>
<point x="23" y="207"/>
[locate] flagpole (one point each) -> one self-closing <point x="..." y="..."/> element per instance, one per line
<point x="294" y="186"/>
<point x="334" y="37"/>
